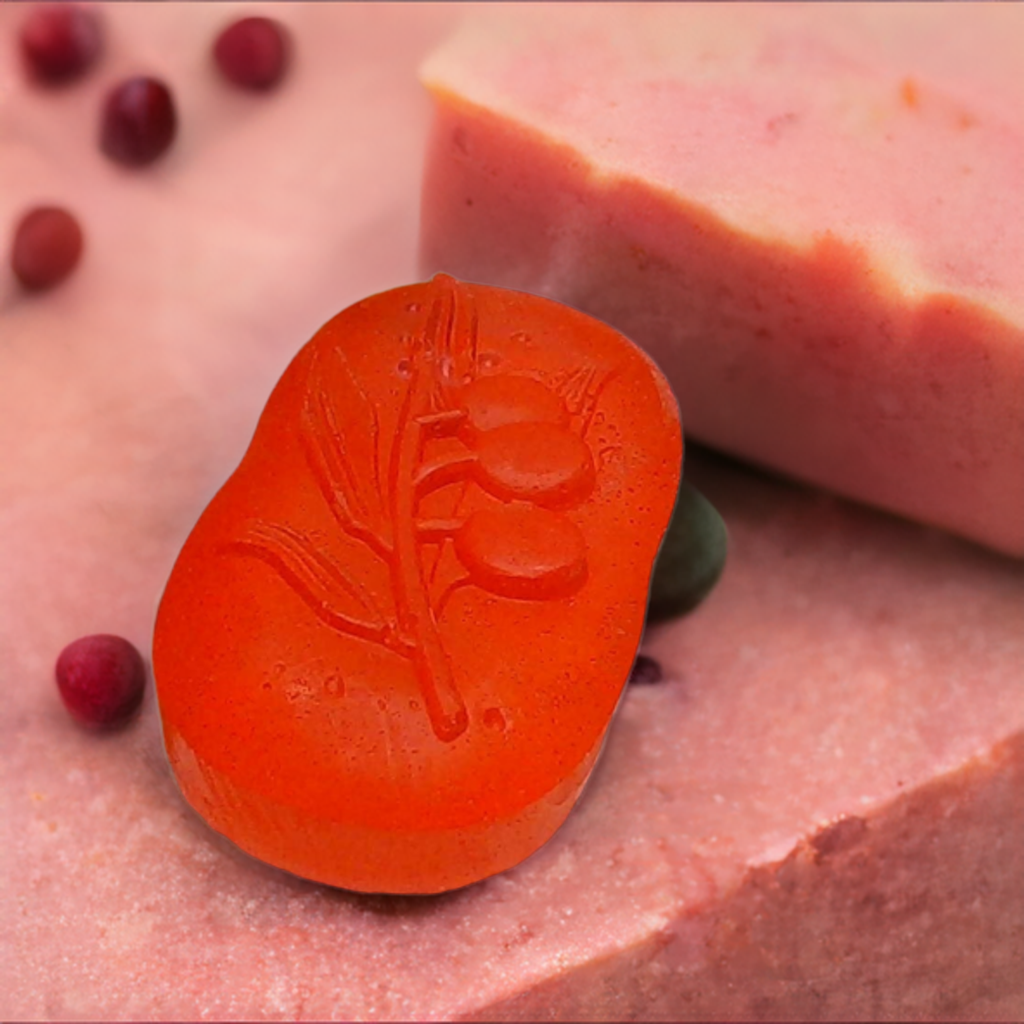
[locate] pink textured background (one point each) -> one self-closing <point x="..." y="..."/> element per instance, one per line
<point x="849" y="666"/>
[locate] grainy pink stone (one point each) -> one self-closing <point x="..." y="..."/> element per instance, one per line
<point x="816" y="814"/>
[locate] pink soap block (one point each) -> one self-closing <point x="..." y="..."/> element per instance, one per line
<point x="811" y="216"/>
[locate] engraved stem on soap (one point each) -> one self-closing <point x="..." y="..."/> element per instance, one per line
<point x="512" y="437"/>
<point x="445" y="705"/>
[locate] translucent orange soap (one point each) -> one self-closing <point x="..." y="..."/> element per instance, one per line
<point x="390" y="650"/>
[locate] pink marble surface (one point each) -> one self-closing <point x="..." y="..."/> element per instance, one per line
<point x="848" y="663"/>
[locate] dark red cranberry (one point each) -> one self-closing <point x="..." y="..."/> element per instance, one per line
<point x="47" y="247"/>
<point x="60" y="42"/>
<point x="101" y="679"/>
<point x="139" y="122"/>
<point x="645" y="670"/>
<point x="253" y="53"/>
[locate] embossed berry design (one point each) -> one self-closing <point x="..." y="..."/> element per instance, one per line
<point x="391" y="647"/>
<point x="515" y="437"/>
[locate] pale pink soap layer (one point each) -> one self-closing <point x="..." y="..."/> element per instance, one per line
<point x="810" y="215"/>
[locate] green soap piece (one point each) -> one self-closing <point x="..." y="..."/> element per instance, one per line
<point x="691" y="559"/>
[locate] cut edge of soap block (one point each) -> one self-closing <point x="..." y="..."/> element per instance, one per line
<point x="905" y="912"/>
<point x="558" y="68"/>
<point x="911" y="404"/>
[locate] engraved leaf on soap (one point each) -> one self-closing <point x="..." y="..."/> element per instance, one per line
<point x="514" y="438"/>
<point x="341" y="437"/>
<point x="336" y="599"/>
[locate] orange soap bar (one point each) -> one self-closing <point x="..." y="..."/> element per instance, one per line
<point x="390" y="650"/>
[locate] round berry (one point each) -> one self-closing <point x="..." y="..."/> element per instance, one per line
<point x="691" y="559"/>
<point x="645" y="670"/>
<point x="47" y="247"/>
<point x="535" y="462"/>
<point x="252" y="53"/>
<point x="101" y="679"/>
<point x="491" y="402"/>
<point x="139" y="122"/>
<point x="60" y="42"/>
<point x="523" y="552"/>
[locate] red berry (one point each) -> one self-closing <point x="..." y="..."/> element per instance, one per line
<point x="47" y="247"/>
<point x="139" y="122"/>
<point x="60" y="42"/>
<point x="101" y="679"/>
<point x="252" y="53"/>
<point x="645" y="670"/>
